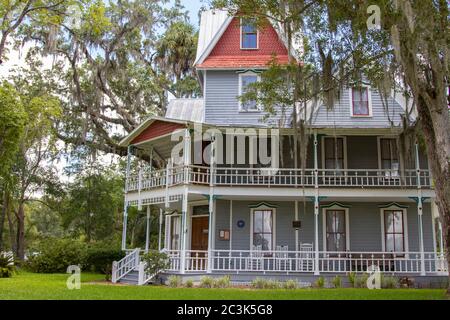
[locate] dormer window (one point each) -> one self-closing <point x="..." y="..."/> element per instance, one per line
<point x="361" y="102"/>
<point x="249" y="34"/>
<point x="246" y="79"/>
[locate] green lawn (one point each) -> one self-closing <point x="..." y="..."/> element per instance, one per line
<point x="53" y="286"/>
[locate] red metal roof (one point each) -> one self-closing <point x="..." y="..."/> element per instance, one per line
<point x="227" y="53"/>
<point x="157" y="129"/>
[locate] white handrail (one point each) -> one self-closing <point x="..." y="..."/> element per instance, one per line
<point x="281" y="177"/>
<point x="129" y="263"/>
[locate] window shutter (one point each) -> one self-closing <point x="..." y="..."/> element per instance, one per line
<point x="167" y="233"/>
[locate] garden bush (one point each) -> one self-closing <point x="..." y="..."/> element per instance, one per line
<point x="156" y="262"/>
<point x="100" y="256"/>
<point x="290" y="284"/>
<point x="337" y="282"/>
<point x="388" y="282"/>
<point x="206" y="282"/>
<point x="174" y="281"/>
<point x="7" y="267"/>
<point x="320" y="283"/>
<point x="189" y="283"/>
<point x="55" y="255"/>
<point x="223" y="282"/>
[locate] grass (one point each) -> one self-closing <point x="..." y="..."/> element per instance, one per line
<point x="32" y="286"/>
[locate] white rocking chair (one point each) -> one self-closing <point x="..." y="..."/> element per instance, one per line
<point x="281" y="258"/>
<point x="306" y="257"/>
<point x="255" y="259"/>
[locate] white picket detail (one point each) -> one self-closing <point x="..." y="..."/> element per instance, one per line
<point x="129" y="263"/>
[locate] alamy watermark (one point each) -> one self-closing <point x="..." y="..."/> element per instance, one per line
<point x="74" y="280"/>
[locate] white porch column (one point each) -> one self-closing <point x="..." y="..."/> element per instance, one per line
<point x="125" y="205"/>
<point x="187" y="154"/>
<point x="211" y="206"/>
<point x="184" y="215"/>
<point x="160" y="228"/>
<point x="147" y="231"/>
<point x="420" y="212"/>
<point x="316" y="207"/>
<point x="296" y="230"/>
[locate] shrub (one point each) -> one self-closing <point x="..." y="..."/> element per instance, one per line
<point x="352" y="279"/>
<point x="55" y="255"/>
<point x="389" y="282"/>
<point x="100" y="258"/>
<point x="320" y="283"/>
<point x="189" y="283"/>
<point x="258" y="283"/>
<point x="206" y="282"/>
<point x="156" y="262"/>
<point x="7" y="267"/>
<point x="272" y="284"/>
<point x="336" y="282"/>
<point x="174" y="281"/>
<point x="361" y="281"/>
<point x="290" y="284"/>
<point x="223" y="282"/>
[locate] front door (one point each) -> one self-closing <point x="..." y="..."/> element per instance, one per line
<point x="199" y="239"/>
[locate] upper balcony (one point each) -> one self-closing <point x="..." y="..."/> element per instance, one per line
<point x="269" y="177"/>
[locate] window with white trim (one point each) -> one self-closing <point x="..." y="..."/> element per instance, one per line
<point x="249" y="34"/>
<point x="394" y="230"/>
<point x="336" y="234"/>
<point x="245" y="80"/>
<point x="263" y="229"/>
<point x="389" y="154"/>
<point x="175" y="232"/>
<point x="360" y="102"/>
<point x="334" y="153"/>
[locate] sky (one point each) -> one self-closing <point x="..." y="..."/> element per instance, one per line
<point x="193" y="6"/>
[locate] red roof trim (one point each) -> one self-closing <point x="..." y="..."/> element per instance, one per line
<point x="157" y="129"/>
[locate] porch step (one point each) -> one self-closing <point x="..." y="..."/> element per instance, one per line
<point x="130" y="278"/>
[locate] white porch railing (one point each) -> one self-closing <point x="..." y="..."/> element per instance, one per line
<point x="305" y="262"/>
<point x="360" y="178"/>
<point x="129" y="263"/>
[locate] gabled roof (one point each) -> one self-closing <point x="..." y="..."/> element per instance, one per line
<point x="144" y="125"/>
<point x="215" y="22"/>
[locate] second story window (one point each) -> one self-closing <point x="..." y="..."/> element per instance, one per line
<point x="245" y="80"/>
<point x="334" y="153"/>
<point x="360" y="102"/>
<point x="249" y="34"/>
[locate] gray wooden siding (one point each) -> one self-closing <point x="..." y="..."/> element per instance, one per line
<point x="222" y="104"/>
<point x="222" y="107"/>
<point x="364" y="225"/>
<point x="340" y="115"/>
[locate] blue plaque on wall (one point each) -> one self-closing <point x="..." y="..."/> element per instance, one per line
<point x="241" y="223"/>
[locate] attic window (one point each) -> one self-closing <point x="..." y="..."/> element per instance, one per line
<point x="361" y="102"/>
<point x="249" y="34"/>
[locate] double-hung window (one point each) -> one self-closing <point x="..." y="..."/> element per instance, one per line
<point x="336" y="235"/>
<point x="245" y="80"/>
<point x="334" y="153"/>
<point x="175" y="231"/>
<point x="360" y="102"/>
<point x="249" y="34"/>
<point x="389" y="158"/>
<point x="263" y="229"/>
<point x="394" y="231"/>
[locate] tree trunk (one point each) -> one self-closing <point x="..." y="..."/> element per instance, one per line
<point x="3" y="217"/>
<point x="436" y="129"/>
<point x="21" y="231"/>
<point x="11" y="232"/>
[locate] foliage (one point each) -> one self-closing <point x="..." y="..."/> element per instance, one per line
<point x="222" y="282"/>
<point x="320" y="282"/>
<point x="290" y="284"/>
<point x="388" y="282"/>
<point x="6" y="265"/>
<point x="352" y="279"/>
<point x="336" y="282"/>
<point x="12" y="122"/>
<point x="361" y="280"/>
<point x="174" y="281"/>
<point x="156" y="262"/>
<point x="261" y="283"/>
<point x="189" y="283"/>
<point x="55" y="255"/>
<point x="206" y="282"/>
<point x="100" y="257"/>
